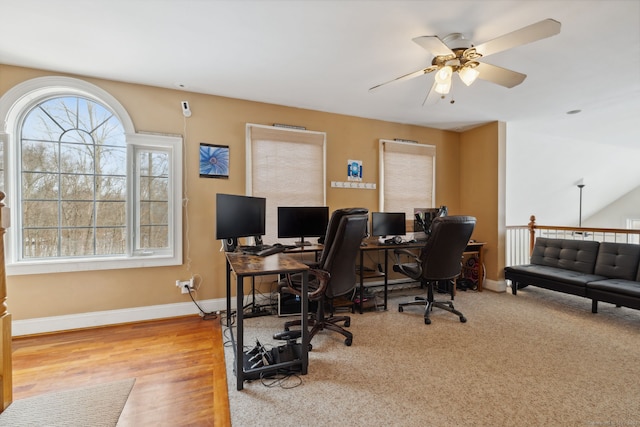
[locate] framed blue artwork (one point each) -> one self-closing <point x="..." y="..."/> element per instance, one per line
<point x="214" y="161"/>
<point x="354" y="170"/>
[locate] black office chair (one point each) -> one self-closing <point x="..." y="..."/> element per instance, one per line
<point x="440" y="260"/>
<point x="335" y="275"/>
<point x="330" y="234"/>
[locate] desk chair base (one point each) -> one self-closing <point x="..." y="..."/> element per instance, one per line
<point x="329" y="323"/>
<point x="430" y="303"/>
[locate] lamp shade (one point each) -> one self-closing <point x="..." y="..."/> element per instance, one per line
<point x="443" y="75"/>
<point x="443" y="88"/>
<point x="468" y="75"/>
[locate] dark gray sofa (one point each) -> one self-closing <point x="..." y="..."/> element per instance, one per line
<point x="600" y="271"/>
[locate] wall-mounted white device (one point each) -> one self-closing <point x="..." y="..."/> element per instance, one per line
<point x="185" y="108"/>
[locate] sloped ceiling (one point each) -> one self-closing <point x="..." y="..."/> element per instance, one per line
<point x="325" y="55"/>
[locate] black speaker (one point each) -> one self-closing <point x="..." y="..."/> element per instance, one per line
<point x="230" y="244"/>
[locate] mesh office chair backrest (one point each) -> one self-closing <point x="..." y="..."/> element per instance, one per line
<point x="340" y="258"/>
<point x="442" y="254"/>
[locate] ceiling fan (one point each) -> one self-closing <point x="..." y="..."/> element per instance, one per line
<point x="455" y="54"/>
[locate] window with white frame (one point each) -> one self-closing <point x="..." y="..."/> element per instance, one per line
<point x="407" y="176"/>
<point x="287" y="167"/>
<point x="86" y="192"/>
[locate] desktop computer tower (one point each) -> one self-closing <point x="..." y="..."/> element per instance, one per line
<point x="290" y="305"/>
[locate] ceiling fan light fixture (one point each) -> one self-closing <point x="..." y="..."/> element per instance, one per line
<point x="456" y="54"/>
<point x="443" y="75"/>
<point x="468" y="75"/>
<point x="443" y="88"/>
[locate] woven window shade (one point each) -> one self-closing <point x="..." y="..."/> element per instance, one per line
<point x="287" y="168"/>
<point x="408" y="176"/>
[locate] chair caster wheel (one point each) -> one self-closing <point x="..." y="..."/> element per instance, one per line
<point x="400" y="309"/>
<point x="348" y="342"/>
<point x="309" y="347"/>
<point x="463" y="319"/>
<point x="347" y="323"/>
<point x="427" y="321"/>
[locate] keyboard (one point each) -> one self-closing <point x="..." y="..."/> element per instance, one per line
<point x="270" y="251"/>
<point x="251" y="250"/>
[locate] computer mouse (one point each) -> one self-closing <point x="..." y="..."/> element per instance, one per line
<point x="278" y="245"/>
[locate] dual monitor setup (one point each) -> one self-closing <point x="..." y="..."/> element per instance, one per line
<point x="245" y="216"/>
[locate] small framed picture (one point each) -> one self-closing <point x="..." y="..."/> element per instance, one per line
<point x="214" y="161"/>
<point x="354" y="170"/>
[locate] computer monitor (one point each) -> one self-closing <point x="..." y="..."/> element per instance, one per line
<point x="239" y="216"/>
<point x="388" y="224"/>
<point x="302" y="221"/>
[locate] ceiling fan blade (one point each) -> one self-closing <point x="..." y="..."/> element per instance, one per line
<point x="500" y="76"/>
<point x="538" y="31"/>
<point x="434" y="45"/>
<point x="432" y="96"/>
<point x="406" y="77"/>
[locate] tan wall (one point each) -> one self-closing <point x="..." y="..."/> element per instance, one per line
<point x="222" y="120"/>
<point x="482" y="190"/>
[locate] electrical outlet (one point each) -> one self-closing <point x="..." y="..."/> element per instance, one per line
<point x="185" y="285"/>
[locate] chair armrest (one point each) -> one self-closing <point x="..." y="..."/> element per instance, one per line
<point x="399" y="252"/>
<point x="323" y="279"/>
<point x="410" y="269"/>
<point x="318" y="280"/>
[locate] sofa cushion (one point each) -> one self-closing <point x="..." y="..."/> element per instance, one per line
<point x="574" y="255"/>
<point x="618" y="260"/>
<point x="554" y="273"/>
<point x="618" y="286"/>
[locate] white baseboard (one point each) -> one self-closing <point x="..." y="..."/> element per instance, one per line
<point x="112" y="317"/>
<point x="494" y="285"/>
<point x="137" y="314"/>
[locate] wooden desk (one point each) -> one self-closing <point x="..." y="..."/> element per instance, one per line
<point x="251" y="266"/>
<point x="473" y="248"/>
<point x="308" y="248"/>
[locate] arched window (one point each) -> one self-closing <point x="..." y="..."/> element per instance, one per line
<point x="73" y="182"/>
<point x="86" y="191"/>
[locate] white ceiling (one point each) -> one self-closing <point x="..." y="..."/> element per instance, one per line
<point x="325" y="55"/>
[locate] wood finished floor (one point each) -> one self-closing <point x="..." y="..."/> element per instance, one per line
<point x="178" y="365"/>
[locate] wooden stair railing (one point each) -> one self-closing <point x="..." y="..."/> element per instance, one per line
<point x="520" y="239"/>
<point x="584" y="233"/>
<point x="6" y="375"/>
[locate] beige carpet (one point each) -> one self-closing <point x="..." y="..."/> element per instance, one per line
<point x="94" y="406"/>
<point x="536" y="359"/>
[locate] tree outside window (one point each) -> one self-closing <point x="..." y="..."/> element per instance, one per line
<point x="74" y="183"/>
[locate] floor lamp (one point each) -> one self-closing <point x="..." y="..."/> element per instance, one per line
<point x="580" y="186"/>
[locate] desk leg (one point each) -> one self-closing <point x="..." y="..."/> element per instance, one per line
<point x="386" y="276"/>
<point x="253" y="295"/>
<point x="360" y="304"/>
<point x="480" y="270"/>
<point x="240" y="337"/>
<point x="304" y="356"/>
<point x="228" y="294"/>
